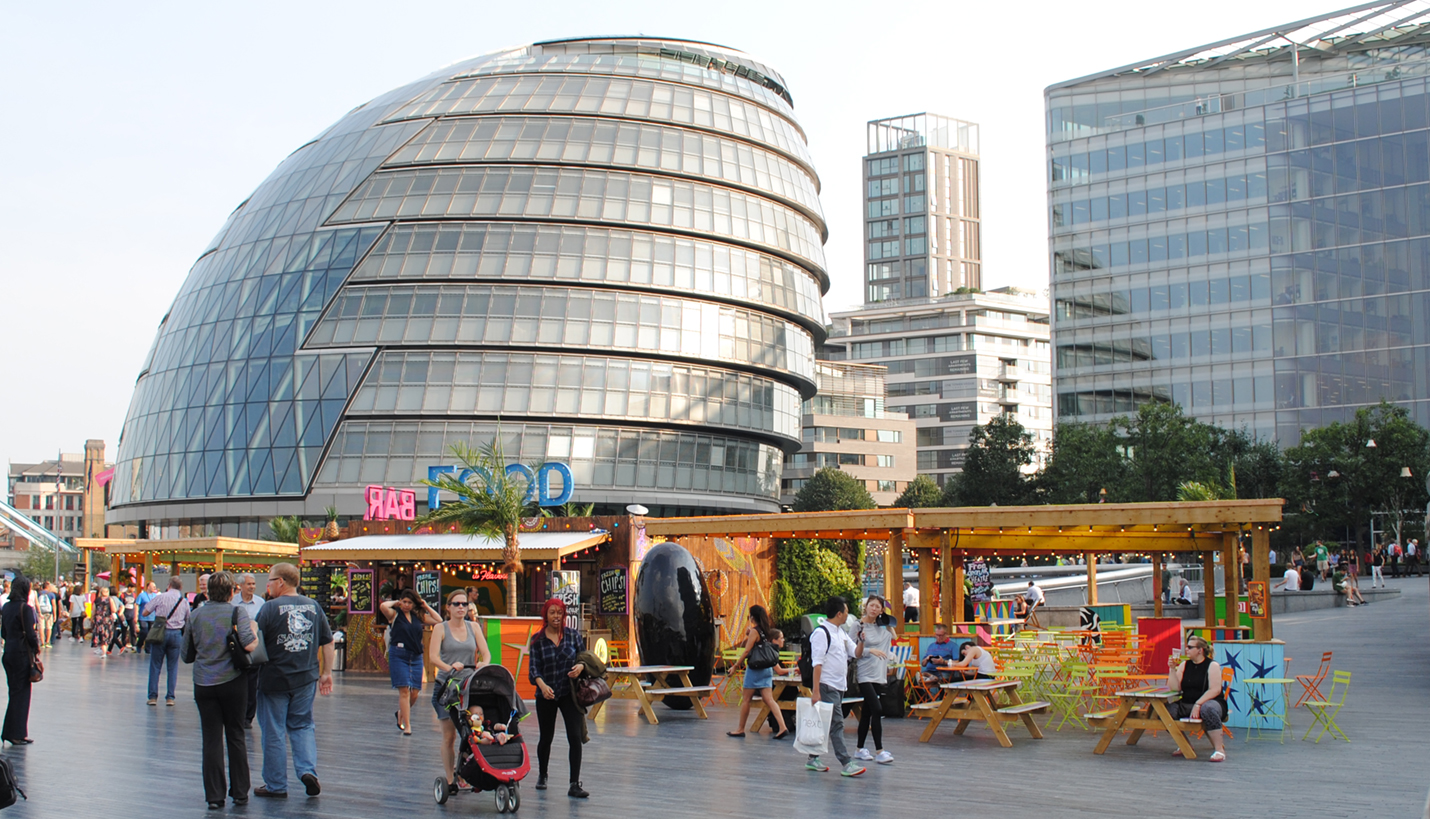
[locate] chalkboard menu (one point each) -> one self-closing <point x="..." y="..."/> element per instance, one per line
<point x="360" y="591"/>
<point x="429" y="588"/>
<point x="317" y="585"/>
<point x="977" y="573"/>
<point x="613" y="590"/>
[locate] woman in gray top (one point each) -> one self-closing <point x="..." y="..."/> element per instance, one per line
<point x="874" y="640"/>
<point x="456" y="644"/>
<point x="220" y="689"/>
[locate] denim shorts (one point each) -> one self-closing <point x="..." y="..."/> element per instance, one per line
<point x="405" y="668"/>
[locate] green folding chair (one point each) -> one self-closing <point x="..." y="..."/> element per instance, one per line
<point x="1323" y="712"/>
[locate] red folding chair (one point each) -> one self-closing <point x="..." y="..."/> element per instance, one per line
<point x="1311" y="683"/>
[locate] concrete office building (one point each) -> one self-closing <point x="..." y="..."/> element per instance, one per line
<point x="955" y="363"/>
<point x="610" y="249"/>
<point x="846" y="426"/>
<point x="1243" y="228"/>
<point x="64" y="494"/>
<point x="921" y="208"/>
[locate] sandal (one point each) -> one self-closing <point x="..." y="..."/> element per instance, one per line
<point x="735" y="734"/>
<point x="1217" y="757"/>
<point x="1177" y="752"/>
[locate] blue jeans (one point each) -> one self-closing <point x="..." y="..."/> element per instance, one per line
<point x="287" y="714"/>
<point x="173" y="639"/>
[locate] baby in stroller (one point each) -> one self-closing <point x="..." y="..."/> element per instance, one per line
<point x="490" y="757"/>
<point x="484" y="732"/>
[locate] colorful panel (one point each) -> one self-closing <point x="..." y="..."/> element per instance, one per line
<point x="994" y="610"/>
<point x="1251" y="660"/>
<point x="1113" y="615"/>
<point x="1165" y="635"/>
<point x="507" y="639"/>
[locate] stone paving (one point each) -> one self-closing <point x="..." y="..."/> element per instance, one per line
<point x="99" y="751"/>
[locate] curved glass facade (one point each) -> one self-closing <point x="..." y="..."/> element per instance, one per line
<point x="611" y="250"/>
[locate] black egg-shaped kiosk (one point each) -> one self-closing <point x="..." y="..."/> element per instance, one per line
<point x="675" y="620"/>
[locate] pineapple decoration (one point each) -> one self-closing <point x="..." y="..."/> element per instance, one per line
<point x="332" y="532"/>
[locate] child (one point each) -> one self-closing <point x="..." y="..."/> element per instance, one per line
<point x="485" y="737"/>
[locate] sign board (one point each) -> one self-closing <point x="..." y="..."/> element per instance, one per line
<point x="429" y="588"/>
<point x="386" y="503"/>
<point x="961" y="411"/>
<point x="614" y="590"/>
<point x="566" y="586"/>
<point x="360" y="591"/>
<point x="978" y="577"/>
<point x="317" y="585"/>
<point x="538" y="482"/>
<point x="1256" y="597"/>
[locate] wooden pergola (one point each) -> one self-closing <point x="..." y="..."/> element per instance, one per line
<point x="942" y="538"/>
<point x="206" y="550"/>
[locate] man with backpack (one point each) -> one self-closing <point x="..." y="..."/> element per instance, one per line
<point x="830" y="650"/>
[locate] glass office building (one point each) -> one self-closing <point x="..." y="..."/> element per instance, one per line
<point x="611" y="250"/>
<point x="1243" y="228"/>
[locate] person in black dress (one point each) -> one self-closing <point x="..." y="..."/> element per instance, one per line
<point x="18" y="624"/>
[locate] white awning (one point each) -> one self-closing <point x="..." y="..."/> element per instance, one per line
<point x="451" y="547"/>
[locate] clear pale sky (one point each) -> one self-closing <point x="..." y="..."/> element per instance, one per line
<point x="130" y="132"/>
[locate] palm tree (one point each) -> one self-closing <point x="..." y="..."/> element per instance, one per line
<point x="491" y="503"/>
<point x="284" y="528"/>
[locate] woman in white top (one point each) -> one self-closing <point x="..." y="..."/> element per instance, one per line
<point x="874" y="636"/>
<point x="977" y="659"/>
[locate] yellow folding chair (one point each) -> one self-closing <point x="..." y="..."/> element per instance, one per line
<point x="1323" y="712"/>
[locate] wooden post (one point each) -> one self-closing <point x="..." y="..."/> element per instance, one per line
<point x="1261" y="631"/>
<point x="148" y="567"/>
<point x="1230" y="567"/>
<point x="950" y="602"/>
<point x="927" y="599"/>
<point x="956" y="557"/>
<point x="218" y="561"/>
<point x="1209" y="588"/>
<point x="894" y="569"/>
<point x="1156" y="584"/>
<point x="1091" y="560"/>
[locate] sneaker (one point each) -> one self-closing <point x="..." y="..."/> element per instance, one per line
<point x="576" y="791"/>
<point x="541" y="782"/>
<point x="310" y="782"/>
<point x="883" y="757"/>
<point x="814" y="764"/>
<point x="863" y="755"/>
<point x="153" y="700"/>
<point x="852" y="769"/>
<point x="263" y="793"/>
<point x="169" y="702"/>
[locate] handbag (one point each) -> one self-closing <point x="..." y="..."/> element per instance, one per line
<point x="763" y="655"/>
<point x="244" y="659"/>
<point x="37" y="669"/>
<point x="591" y="690"/>
<point x="155" y="637"/>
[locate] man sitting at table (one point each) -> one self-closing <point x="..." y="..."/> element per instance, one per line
<point x="941" y="652"/>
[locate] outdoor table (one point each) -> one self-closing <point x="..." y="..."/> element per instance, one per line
<point x="1262" y="718"/>
<point x="646" y="684"/>
<point x="1141" y="709"/>
<point x="781" y="683"/>
<point x="972" y="700"/>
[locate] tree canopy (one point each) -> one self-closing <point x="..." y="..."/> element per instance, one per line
<point x="831" y="490"/>
<point x="994" y="467"/>
<point x="921" y="493"/>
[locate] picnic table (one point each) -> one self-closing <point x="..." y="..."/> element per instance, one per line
<point x="648" y="684"/>
<point x="782" y="683"/>
<point x="1141" y="709"/>
<point x="976" y="700"/>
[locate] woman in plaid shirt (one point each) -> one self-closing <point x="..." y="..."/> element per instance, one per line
<point x="553" y="665"/>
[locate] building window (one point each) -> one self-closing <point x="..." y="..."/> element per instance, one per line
<point x="883" y="207"/>
<point x="915" y="204"/>
<point x="914" y="162"/>
<point x="883" y="250"/>
<point x="885" y="461"/>
<point x="69" y="502"/>
<point x="890" y="436"/>
<point x="887" y="486"/>
<point x="883" y="187"/>
<point x="49" y="501"/>
<point x="884" y="228"/>
<point x="851" y="459"/>
<point x="49" y="521"/>
<point x="886" y="165"/>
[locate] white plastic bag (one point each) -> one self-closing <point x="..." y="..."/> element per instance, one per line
<point x="811" y="732"/>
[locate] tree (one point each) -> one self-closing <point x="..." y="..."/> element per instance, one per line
<point x="809" y="573"/>
<point x="284" y="528"/>
<point x="831" y="490"/>
<point x="993" y="467"/>
<point x="491" y="503"/>
<point x="1085" y="459"/>
<point x="921" y="493"/>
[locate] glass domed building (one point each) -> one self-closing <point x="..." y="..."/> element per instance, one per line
<point x="609" y="250"/>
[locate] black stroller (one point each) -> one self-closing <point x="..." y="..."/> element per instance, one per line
<point x="493" y="767"/>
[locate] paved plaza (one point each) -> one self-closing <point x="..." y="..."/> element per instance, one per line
<point x="100" y="751"/>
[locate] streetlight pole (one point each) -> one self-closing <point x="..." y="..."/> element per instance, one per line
<point x="59" y="483"/>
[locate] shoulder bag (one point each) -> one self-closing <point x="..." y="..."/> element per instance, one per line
<point x="244" y="659"/>
<point x="155" y="637"/>
<point x="763" y="655"/>
<point x="590" y="690"/>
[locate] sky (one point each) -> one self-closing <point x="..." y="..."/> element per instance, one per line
<point x="131" y="131"/>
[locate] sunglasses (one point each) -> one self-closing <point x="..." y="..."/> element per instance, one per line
<point x="463" y="604"/>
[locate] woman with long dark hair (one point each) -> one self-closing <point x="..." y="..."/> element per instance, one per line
<point x="759" y="682"/>
<point x="18" y="622"/>
<point x="553" y="666"/>
<point x="874" y="636"/>
<point x="405" y="616"/>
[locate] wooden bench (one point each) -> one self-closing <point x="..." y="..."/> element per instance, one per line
<point x="657" y="693"/>
<point x="1026" y="708"/>
<point x="1099" y="719"/>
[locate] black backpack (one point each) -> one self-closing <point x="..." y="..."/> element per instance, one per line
<point x="8" y="786"/>
<point x="806" y="657"/>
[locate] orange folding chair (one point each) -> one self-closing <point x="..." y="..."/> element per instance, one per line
<point x="1311" y="683"/>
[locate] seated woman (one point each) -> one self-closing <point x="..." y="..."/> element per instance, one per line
<point x="1198" y="677"/>
<point x="1020" y="606"/>
<point x="976" y="658"/>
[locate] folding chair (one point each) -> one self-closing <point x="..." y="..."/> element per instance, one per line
<point x="1311" y="683"/>
<point x="1323" y="712"/>
<point x="1031" y="619"/>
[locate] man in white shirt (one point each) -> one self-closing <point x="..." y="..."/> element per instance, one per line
<point x="1034" y="594"/>
<point x="911" y="603"/>
<point x="1291" y="581"/>
<point x="1272" y="557"/>
<point x="251" y="603"/>
<point x="830" y="650"/>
